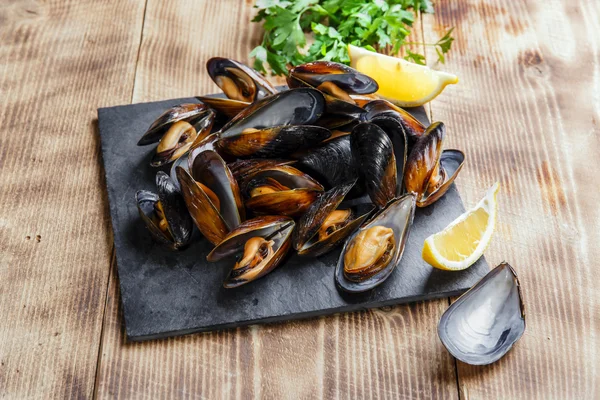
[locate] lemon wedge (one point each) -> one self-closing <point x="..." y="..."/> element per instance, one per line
<point x="463" y="242"/>
<point x="403" y="83"/>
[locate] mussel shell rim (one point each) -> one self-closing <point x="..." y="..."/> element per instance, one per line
<point x="180" y="222"/>
<point x="142" y="196"/>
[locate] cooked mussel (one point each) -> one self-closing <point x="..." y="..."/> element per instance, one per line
<point x="196" y="114"/>
<point x="227" y="107"/>
<point x="483" y="324"/>
<point x="326" y="224"/>
<point x="336" y="81"/>
<point x="373" y="153"/>
<point x="373" y="252"/>
<point x="292" y="107"/>
<point x="212" y="195"/>
<point x="165" y="213"/>
<point x="262" y="242"/>
<point x="386" y="114"/>
<point x="278" y="141"/>
<point x="244" y="170"/>
<point x="238" y="81"/>
<point x="429" y="170"/>
<point x="331" y="162"/>
<point x="281" y="190"/>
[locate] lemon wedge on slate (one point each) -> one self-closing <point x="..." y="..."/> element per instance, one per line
<point x="463" y="242"/>
<point x="403" y="83"/>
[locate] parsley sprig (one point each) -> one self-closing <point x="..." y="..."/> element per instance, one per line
<point x="377" y="25"/>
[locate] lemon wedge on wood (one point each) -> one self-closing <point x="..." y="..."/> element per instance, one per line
<point x="403" y="83"/>
<point x="463" y="242"/>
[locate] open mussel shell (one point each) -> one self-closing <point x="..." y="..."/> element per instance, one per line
<point x="292" y="107"/>
<point x="238" y="81"/>
<point x="383" y="110"/>
<point x="484" y="323"/>
<point x="374" y="154"/>
<point x="423" y="160"/>
<point x="400" y="144"/>
<point x="342" y="76"/>
<point x="451" y="162"/>
<point x="262" y="242"/>
<point x="325" y="224"/>
<point x="331" y="162"/>
<point x="227" y="107"/>
<point x="396" y="218"/>
<point x="212" y="195"/>
<point x="281" y="190"/>
<point x="165" y="214"/>
<point x="189" y="112"/>
<point x="279" y="141"/>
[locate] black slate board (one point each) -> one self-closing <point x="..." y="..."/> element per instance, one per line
<point x="167" y="294"/>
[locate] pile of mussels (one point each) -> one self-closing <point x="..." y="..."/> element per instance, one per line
<point x="265" y="170"/>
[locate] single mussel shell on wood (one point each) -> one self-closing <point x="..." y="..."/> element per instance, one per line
<point x="292" y="107"/>
<point x="244" y="170"/>
<point x="427" y="173"/>
<point x="484" y="323"/>
<point x="373" y="152"/>
<point x="212" y="195"/>
<point x="281" y="190"/>
<point x="278" y="141"/>
<point x="192" y="113"/>
<point x="331" y="163"/>
<point x="238" y="81"/>
<point x="263" y="243"/>
<point x="326" y="225"/>
<point x="349" y="80"/>
<point x="383" y="110"/>
<point x="229" y="108"/>
<point x="165" y="213"/>
<point x="370" y="256"/>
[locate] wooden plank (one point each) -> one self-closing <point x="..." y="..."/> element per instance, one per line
<point x="60" y="61"/>
<point x="526" y="113"/>
<point x="391" y="353"/>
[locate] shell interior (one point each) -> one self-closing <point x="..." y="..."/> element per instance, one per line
<point x="483" y="324"/>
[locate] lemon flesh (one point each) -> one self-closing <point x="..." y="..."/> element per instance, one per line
<point x="463" y="242"/>
<point x="403" y="83"/>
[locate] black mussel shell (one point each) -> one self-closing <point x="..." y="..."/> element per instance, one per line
<point x="374" y="154"/>
<point x="331" y="163"/>
<point x="190" y="112"/>
<point x="346" y="78"/>
<point x="397" y="215"/>
<point x="227" y="107"/>
<point x="451" y="162"/>
<point x="292" y="107"/>
<point x="175" y="212"/>
<point x="238" y="81"/>
<point x="395" y="132"/>
<point x="384" y="110"/>
<point x="244" y="170"/>
<point x="280" y="141"/>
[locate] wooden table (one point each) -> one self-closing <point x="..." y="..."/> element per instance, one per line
<point x="526" y="112"/>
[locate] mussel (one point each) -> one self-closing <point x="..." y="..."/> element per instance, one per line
<point x="212" y="195"/>
<point x="227" y="107"/>
<point x="244" y="170"/>
<point x="386" y="114"/>
<point x="263" y="243"/>
<point x="165" y="214"/>
<point x="373" y="153"/>
<point x="483" y="324"/>
<point x="238" y="81"/>
<point x="326" y="224"/>
<point x="281" y="190"/>
<point x="331" y="163"/>
<point x="278" y="141"/>
<point x="292" y="107"/>
<point x="176" y="130"/>
<point x="429" y="170"/>
<point x="336" y="81"/>
<point x="373" y="252"/>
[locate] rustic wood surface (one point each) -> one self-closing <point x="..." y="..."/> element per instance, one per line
<point x="526" y="112"/>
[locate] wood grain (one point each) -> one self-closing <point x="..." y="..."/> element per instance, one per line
<point x="381" y="354"/>
<point x="526" y="114"/>
<point x="58" y="63"/>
